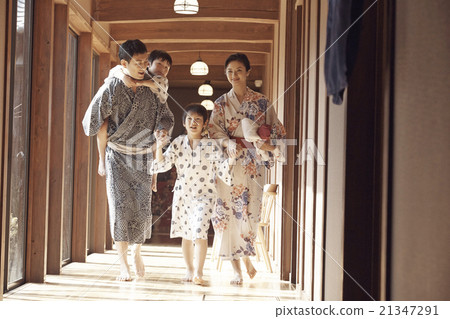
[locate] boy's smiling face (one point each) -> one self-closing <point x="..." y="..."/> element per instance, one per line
<point x="160" y="67"/>
<point x="137" y="65"/>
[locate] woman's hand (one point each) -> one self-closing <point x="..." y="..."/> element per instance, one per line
<point x="264" y="145"/>
<point x="231" y="148"/>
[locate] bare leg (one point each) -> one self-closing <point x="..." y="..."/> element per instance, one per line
<point x="251" y="271"/>
<point x="201" y="246"/>
<point x="102" y="137"/>
<point x="188" y="254"/>
<point x="237" y="280"/>
<point x="122" y="251"/>
<point x="139" y="267"/>
<point x="155" y="182"/>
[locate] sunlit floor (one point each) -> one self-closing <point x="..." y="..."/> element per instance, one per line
<point x="95" y="280"/>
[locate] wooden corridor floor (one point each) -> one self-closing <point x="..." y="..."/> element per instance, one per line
<point x="95" y="280"/>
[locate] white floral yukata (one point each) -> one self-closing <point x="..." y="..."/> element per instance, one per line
<point x="237" y="213"/>
<point x="195" y="188"/>
<point x="132" y="118"/>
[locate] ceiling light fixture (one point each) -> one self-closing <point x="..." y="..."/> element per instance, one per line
<point x="208" y="104"/>
<point x="199" y="67"/>
<point x="185" y="6"/>
<point x="205" y="89"/>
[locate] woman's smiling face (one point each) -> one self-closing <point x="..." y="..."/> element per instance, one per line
<point x="236" y="73"/>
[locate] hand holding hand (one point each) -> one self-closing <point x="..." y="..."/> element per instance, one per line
<point x="162" y="137"/>
<point x="231" y="149"/>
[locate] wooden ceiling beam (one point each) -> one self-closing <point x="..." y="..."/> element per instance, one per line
<point x="229" y="47"/>
<point x="229" y="31"/>
<point x="142" y="10"/>
<point x="213" y="58"/>
<point x="216" y="73"/>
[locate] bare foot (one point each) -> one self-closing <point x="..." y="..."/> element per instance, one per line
<point x="139" y="267"/>
<point x="237" y="281"/>
<point x="124" y="273"/>
<point x="101" y="168"/>
<point x="251" y="271"/>
<point x="198" y="281"/>
<point x="188" y="277"/>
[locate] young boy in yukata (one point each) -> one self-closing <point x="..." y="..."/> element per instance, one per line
<point x="199" y="161"/>
<point x="155" y="78"/>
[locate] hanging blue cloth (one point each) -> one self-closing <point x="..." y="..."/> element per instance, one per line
<point x="339" y="18"/>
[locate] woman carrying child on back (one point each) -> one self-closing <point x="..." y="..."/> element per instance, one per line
<point x="199" y="161"/>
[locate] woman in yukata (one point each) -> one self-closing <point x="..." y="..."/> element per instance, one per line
<point x="237" y="213"/>
<point x="199" y="162"/>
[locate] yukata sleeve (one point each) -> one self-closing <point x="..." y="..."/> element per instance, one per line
<point x="99" y="109"/>
<point x="115" y="72"/>
<point x="277" y="136"/>
<point x="216" y="127"/>
<point x="162" y="86"/>
<point x="164" y="118"/>
<point x="221" y="163"/>
<point x="225" y="171"/>
<point x="169" y="159"/>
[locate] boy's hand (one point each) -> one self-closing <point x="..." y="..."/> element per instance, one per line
<point x="162" y="137"/>
<point x="129" y="81"/>
<point x="148" y="83"/>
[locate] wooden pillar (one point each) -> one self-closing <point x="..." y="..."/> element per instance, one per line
<point x="82" y="143"/>
<point x="101" y="207"/>
<point x="290" y="182"/>
<point x="41" y="99"/>
<point x="55" y="212"/>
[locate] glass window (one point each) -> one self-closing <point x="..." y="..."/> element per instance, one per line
<point x="21" y="38"/>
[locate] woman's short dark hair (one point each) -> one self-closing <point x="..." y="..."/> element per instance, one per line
<point x="196" y="108"/>
<point x="241" y="57"/>
<point x="131" y="47"/>
<point x="159" y="54"/>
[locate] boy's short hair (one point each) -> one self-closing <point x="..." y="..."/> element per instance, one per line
<point x="131" y="47"/>
<point x="160" y="54"/>
<point x="196" y="108"/>
<point x="241" y="57"/>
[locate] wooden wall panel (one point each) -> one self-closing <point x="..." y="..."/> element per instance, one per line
<point x="55" y="214"/>
<point x="4" y="114"/>
<point x="303" y="97"/>
<point x="321" y="135"/>
<point x="82" y="150"/>
<point x="420" y="219"/>
<point x="39" y="141"/>
<point x="362" y="213"/>
<point x="288" y="169"/>
<point x="308" y="109"/>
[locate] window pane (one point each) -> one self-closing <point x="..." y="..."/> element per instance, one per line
<point x="19" y="139"/>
